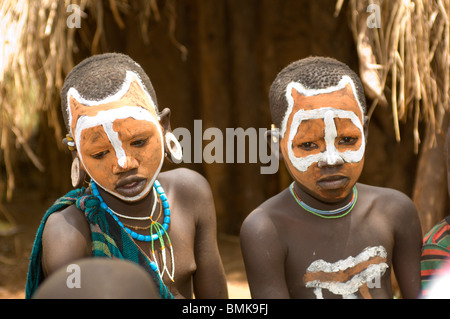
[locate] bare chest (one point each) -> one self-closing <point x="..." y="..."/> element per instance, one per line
<point x="338" y="260"/>
<point x="173" y="256"/>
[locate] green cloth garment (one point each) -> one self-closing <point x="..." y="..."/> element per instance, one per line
<point x="108" y="240"/>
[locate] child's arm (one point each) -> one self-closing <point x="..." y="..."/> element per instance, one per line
<point x="209" y="279"/>
<point x="264" y="256"/>
<point x="407" y="246"/>
<point x="66" y="238"/>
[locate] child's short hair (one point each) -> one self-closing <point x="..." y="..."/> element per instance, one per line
<point x="100" y="76"/>
<point x="313" y="73"/>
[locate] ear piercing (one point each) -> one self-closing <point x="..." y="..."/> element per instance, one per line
<point x="174" y="147"/>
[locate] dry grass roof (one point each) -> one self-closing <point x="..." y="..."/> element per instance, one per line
<point x="404" y="64"/>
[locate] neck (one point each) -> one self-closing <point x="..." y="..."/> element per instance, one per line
<point x="140" y="208"/>
<point x="320" y="204"/>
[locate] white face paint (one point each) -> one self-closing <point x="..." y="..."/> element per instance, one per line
<point x="129" y="79"/>
<point x="117" y="128"/>
<point x="107" y="118"/>
<point x="330" y="155"/>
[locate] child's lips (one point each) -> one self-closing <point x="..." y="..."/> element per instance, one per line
<point x="333" y="182"/>
<point x="131" y="186"/>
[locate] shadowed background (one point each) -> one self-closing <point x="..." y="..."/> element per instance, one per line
<point x="215" y="61"/>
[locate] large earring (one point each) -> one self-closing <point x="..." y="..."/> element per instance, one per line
<point x="275" y="133"/>
<point x="68" y="140"/>
<point x="174" y="148"/>
<point x="273" y="137"/>
<point x="77" y="173"/>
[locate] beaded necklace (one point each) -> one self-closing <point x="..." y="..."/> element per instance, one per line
<point x="150" y="217"/>
<point x="157" y="231"/>
<point x="336" y="213"/>
<point x="139" y="218"/>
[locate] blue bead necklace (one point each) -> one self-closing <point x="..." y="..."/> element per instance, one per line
<point x="336" y="213"/>
<point x="160" y="230"/>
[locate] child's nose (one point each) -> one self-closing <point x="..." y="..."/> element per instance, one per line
<point x="330" y="158"/>
<point x="125" y="164"/>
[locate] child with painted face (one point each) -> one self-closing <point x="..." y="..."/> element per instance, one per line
<point x="327" y="236"/>
<point x="123" y="206"/>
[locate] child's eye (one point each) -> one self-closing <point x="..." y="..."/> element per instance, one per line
<point x="348" y="140"/>
<point x="308" y="146"/>
<point x="99" y="155"/>
<point x="139" y="143"/>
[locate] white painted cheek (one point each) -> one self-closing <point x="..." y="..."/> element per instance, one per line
<point x="331" y="155"/>
<point x="300" y="163"/>
<point x="355" y="156"/>
<point x="303" y="163"/>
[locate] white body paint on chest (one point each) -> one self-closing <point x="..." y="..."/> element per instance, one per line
<point x="347" y="289"/>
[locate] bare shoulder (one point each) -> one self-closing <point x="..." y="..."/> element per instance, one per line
<point x="190" y="190"/>
<point x="261" y="234"/>
<point x="385" y="193"/>
<point x="388" y="200"/>
<point x="69" y="218"/>
<point x="264" y="219"/>
<point x="186" y="180"/>
<point x="66" y="237"/>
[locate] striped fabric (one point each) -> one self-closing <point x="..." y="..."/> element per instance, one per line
<point x="435" y="252"/>
<point x="108" y="240"/>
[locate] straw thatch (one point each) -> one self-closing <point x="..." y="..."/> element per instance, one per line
<point x="405" y="67"/>
<point x="36" y="49"/>
<point x="403" y="50"/>
<point x="36" y="52"/>
<point x="404" y="63"/>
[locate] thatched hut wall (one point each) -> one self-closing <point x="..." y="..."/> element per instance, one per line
<point x="215" y="61"/>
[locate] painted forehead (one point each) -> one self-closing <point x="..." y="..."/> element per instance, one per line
<point x="131" y="93"/>
<point x="345" y="80"/>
